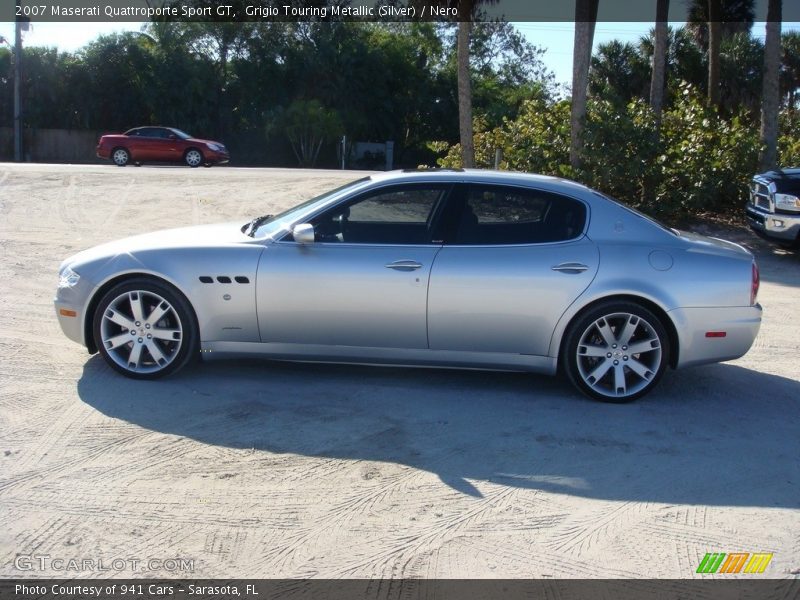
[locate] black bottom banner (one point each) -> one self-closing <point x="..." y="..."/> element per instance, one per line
<point x="399" y="589"/>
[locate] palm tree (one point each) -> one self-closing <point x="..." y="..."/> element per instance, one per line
<point x="712" y="20"/>
<point x="585" y="19"/>
<point x="770" y="97"/>
<point x="465" y="88"/>
<point x="790" y="68"/>
<point x="466" y="13"/>
<point x="659" y="59"/>
<point x="714" y="38"/>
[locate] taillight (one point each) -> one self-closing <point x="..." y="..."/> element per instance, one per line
<point x="754" y="284"/>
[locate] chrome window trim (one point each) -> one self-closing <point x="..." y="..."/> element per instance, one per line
<point x="279" y="238"/>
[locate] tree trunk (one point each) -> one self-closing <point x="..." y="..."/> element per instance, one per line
<point x="714" y="38"/>
<point x="659" y="60"/>
<point x="585" y="18"/>
<point x="465" y="96"/>
<point x="770" y="95"/>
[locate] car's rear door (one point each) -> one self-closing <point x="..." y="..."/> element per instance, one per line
<point x="514" y="260"/>
<point x="364" y="281"/>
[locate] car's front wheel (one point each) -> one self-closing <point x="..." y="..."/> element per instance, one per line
<point x="121" y="157"/>
<point x="616" y="352"/>
<point x="145" y="329"/>
<point x="193" y="157"/>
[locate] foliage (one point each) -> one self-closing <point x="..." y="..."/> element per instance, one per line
<point x="707" y="160"/>
<point x="221" y="80"/>
<point x="619" y="73"/>
<point x="790" y="67"/>
<point x="789" y="139"/>
<point x="308" y="125"/>
<point x="737" y="17"/>
<point x="621" y="150"/>
<point x="699" y="162"/>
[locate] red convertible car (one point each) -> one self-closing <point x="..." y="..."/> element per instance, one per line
<point x="160" y="144"/>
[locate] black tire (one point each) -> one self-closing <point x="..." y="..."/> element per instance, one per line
<point x="110" y="334"/>
<point x="193" y="157"/>
<point x="639" y="372"/>
<point x="120" y="157"/>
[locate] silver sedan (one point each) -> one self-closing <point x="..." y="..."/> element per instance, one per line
<point x="467" y="269"/>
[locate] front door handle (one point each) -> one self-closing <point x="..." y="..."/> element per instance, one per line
<point x="570" y="267"/>
<point x="404" y="265"/>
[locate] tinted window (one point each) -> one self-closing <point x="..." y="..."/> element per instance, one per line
<point x="394" y="216"/>
<point x="505" y="215"/>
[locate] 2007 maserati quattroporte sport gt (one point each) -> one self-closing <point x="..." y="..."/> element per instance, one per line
<point x="477" y="269"/>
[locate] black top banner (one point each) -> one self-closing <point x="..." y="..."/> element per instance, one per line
<point x="345" y="10"/>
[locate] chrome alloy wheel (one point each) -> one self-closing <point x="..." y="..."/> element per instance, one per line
<point x="194" y="158"/>
<point x="120" y="157"/>
<point x="619" y="354"/>
<point x="141" y="332"/>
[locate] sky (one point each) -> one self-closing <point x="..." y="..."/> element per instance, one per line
<point x="557" y="38"/>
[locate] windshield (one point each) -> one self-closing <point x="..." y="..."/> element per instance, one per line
<point x="181" y="134"/>
<point x="641" y="215"/>
<point x="283" y="220"/>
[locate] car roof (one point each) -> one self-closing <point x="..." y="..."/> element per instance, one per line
<point x="478" y="176"/>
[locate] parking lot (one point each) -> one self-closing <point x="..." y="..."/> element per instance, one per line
<point x="259" y="469"/>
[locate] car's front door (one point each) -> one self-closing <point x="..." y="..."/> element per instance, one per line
<point x="364" y="281"/>
<point x="513" y="261"/>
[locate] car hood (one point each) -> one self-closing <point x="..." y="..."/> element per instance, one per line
<point x="712" y="245"/>
<point x="199" y="236"/>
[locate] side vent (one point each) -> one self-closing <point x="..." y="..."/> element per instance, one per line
<point x="224" y="279"/>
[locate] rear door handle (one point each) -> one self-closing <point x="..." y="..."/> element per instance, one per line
<point x="404" y="265"/>
<point x="570" y="267"/>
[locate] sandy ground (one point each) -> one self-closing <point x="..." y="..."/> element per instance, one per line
<point x="257" y="469"/>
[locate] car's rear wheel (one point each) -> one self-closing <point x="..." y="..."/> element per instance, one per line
<point x="121" y="157"/>
<point x="145" y="329"/>
<point x="616" y="351"/>
<point x="193" y="157"/>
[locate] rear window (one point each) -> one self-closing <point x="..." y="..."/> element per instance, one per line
<point x="506" y="215"/>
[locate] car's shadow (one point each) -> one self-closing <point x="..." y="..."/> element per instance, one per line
<point x="719" y="435"/>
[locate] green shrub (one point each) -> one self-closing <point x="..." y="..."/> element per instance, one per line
<point x="706" y="161"/>
<point x="699" y="162"/>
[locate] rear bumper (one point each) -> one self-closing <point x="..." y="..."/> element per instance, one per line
<point x="103" y="152"/>
<point x="778" y="226"/>
<point x="740" y="324"/>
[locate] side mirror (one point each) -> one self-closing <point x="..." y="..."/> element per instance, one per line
<point x="303" y="233"/>
<point x="172" y="136"/>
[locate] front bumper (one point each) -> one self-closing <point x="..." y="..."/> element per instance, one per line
<point x="779" y="226"/>
<point x="215" y="157"/>
<point x="740" y="324"/>
<point x="70" y="305"/>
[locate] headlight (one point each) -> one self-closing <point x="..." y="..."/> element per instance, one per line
<point x="787" y="202"/>
<point x="68" y="278"/>
<point x="216" y="147"/>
